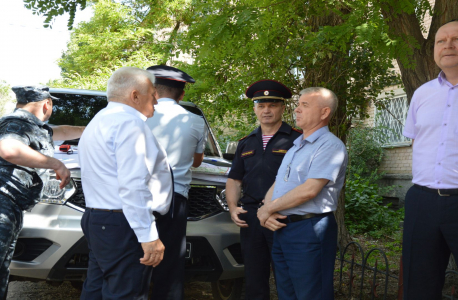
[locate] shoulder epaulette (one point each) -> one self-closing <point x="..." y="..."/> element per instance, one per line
<point x="297" y="130"/>
<point x="243" y="138"/>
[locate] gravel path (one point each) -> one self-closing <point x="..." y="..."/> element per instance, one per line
<point x="26" y="290"/>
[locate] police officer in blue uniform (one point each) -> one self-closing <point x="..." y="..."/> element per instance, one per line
<point x="257" y="159"/>
<point x="183" y="136"/>
<point x="26" y="150"/>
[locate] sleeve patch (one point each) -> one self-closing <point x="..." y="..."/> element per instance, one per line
<point x="247" y="153"/>
<point x="13" y="127"/>
<point x="280" y="151"/>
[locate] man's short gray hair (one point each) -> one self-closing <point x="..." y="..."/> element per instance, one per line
<point x="126" y="79"/>
<point x="329" y="98"/>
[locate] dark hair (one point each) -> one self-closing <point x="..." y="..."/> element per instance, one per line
<point x="168" y="91"/>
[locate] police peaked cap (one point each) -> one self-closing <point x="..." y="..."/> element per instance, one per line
<point x="170" y="76"/>
<point x="268" y="91"/>
<point x="26" y="94"/>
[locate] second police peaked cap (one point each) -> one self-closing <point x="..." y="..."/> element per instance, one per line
<point x="268" y="91"/>
<point x="26" y="94"/>
<point x="170" y="76"/>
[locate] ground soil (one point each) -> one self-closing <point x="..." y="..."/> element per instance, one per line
<point x="25" y="290"/>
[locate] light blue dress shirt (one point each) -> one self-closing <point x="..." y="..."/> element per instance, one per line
<point x="321" y="155"/>
<point x="182" y="134"/>
<point x="124" y="167"/>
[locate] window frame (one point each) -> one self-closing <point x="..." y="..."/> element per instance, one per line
<point x="397" y="140"/>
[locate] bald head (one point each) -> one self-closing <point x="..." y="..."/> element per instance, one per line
<point x="446" y="49"/>
<point x="327" y="99"/>
<point x="126" y="79"/>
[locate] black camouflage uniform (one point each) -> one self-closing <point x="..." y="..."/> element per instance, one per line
<point x="20" y="187"/>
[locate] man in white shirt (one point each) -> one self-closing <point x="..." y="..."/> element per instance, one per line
<point x="125" y="177"/>
<point x="183" y="136"/>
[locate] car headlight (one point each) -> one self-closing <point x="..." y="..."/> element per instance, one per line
<point x="54" y="195"/>
<point x="221" y="198"/>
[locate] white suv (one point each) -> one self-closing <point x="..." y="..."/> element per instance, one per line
<point x="52" y="246"/>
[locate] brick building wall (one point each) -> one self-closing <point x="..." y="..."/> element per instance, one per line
<point x="397" y="161"/>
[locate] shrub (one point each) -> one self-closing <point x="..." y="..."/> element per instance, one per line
<point x="364" y="210"/>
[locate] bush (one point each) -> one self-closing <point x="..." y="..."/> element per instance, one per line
<point x="365" y="152"/>
<point x="364" y="210"/>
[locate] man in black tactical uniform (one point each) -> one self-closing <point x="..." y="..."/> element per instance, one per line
<point x="254" y="168"/>
<point x="26" y="150"/>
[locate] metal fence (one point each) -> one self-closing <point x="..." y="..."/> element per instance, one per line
<point x="367" y="276"/>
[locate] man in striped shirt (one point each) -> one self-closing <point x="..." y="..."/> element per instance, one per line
<point x="257" y="159"/>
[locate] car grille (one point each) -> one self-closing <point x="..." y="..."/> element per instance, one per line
<point x="202" y="202"/>
<point x="27" y="249"/>
<point x="78" y="198"/>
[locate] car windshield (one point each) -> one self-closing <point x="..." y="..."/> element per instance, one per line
<point x="78" y="110"/>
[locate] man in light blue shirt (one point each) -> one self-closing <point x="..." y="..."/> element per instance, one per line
<point x="125" y="177"/>
<point x="183" y="136"/>
<point x="299" y="206"/>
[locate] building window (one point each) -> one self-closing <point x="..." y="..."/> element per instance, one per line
<point x="391" y="118"/>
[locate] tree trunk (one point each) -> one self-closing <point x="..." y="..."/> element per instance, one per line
<point x="419" y="67"/>
<point x="343" y="237"/>
<point x="325" y="75"/>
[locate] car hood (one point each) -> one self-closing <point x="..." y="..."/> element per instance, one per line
<point x="213" y="168"/>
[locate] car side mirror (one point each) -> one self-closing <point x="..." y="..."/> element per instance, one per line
<point x="230" y="150"/>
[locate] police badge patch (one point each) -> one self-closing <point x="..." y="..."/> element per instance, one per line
<point x="247" y="153"/>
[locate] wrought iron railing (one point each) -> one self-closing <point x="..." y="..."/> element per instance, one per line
<point x="359" y="277"/>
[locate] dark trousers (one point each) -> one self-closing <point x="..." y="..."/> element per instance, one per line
<point x="304" y="253"/>
<point x="256" y="244"/>
<point x="114" y="270"/>
<point x="168" y="276"/>
<point x="430" y="235"/>
<point x="11" y="217"/>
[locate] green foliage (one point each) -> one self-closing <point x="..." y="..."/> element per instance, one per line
<point x="365" y="212"/>
<point x="227" y="46"/>
<point x="52" y="9"/>
<point x="112" y="38"/>
<point x="6" y="99"/>
<point x="365" y="152"/>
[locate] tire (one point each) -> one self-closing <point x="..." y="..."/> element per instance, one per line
<point x="230" y="289"/>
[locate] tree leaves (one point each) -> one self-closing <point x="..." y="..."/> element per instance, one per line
<point x="52" y="9"/>
<point x="347" y="46"/>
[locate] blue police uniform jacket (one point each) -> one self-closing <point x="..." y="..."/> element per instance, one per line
<point x="21" y="184"/>
<point x="256" y="167"/>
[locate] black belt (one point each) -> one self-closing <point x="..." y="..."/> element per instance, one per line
<point x="110" y="210"/>
<point x="297" y="218"/>
<point x="441" y="192"/>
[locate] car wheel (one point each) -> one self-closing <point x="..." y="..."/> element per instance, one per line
<point x="230" y="289"/>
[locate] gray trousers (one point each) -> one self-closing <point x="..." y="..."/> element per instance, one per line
<point x="11" y="217"/>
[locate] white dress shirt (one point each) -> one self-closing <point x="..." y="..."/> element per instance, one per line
<point x="182" y="134"/>
<point x="432" y="121"/>
<point x="124" y="167"/>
